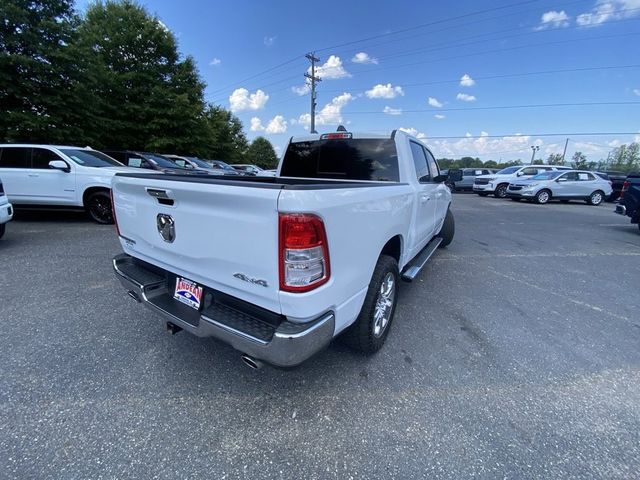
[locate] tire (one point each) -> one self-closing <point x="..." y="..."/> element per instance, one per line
<point x="369" y="332"/>
<point x="448" y="230"/>
<point x="98" y="206"/>
<point x="501" y="190"/>
<point x="596" y="198"/>
<point x="3" y="228"/>
<point x="543" y="196"/>
<point x="483" y="194"/>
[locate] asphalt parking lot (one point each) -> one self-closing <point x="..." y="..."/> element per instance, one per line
<point x="514" y="355"/>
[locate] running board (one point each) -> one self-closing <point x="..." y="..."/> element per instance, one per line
<point x="414" y="267"/>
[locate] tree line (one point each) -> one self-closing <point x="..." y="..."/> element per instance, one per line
<point x="110" y="78"/>
<point x="624" y="158"/>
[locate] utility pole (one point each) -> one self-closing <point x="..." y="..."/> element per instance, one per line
<point x="313" y="79"/>
<point x="564" y="152"/>
<point x="534" y="148"/>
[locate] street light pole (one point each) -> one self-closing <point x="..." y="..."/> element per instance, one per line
<point x="534" y="149"/>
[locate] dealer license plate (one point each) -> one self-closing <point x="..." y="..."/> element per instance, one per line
<point x="188" y="292"/>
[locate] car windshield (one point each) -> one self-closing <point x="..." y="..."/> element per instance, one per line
<point x="508" y="170"/>
<point x="90" y="158"/>
<point x="200" y="163"/>
<point x="546" y="175"/>
<point x="161" y="161"/>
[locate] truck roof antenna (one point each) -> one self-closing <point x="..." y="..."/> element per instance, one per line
<point x="341" y="128"/>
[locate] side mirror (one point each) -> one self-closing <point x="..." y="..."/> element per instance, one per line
<point x="519" y="174"/>
<point x="454" y="175"/>
<point x="59" y="165"/>
<point x="561" y="179"/>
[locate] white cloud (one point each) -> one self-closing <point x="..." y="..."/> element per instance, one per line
<point x="256" y="125"/>
<point x="364" y="58"/>
<point x="384" y="91"/>
<point x="439" y="116"/>
<point x="302" y="89"/>
<point x="434" y="102"/>
<point x="463" y="97"/>
<point x="508" y="147"/>
<point x="392" y="111"/>
<point x="215" y="62"/>
<point x="413" y="132"/>
<point x="332" y="69"/>
<point x="606" y="10"/>
<point x="553" y="19"/>
<point x="277" y="125"/>
<point x="269" y="41"/>
<point x="467" y="81"/>
<point x="241" y="100"/>
<point x="331" y="113"/>
<point x="636" y="91"/>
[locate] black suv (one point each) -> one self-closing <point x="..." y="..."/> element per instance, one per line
<point x="629" y="201"/>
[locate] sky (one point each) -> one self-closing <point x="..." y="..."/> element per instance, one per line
<point x="435" y="69"/>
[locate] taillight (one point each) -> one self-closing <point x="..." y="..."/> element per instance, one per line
<point x="113" y="212"/>
<point x="304" y="252"/>
<point x="625" y="187"/>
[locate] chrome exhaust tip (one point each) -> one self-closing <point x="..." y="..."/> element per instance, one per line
<point x="251" y="362"/>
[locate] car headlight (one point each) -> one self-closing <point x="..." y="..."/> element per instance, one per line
<point x="531" y="186"/>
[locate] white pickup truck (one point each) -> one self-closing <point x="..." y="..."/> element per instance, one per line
<point x="279" y="266"/>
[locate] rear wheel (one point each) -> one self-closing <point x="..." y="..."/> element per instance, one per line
<point x="98" y="207"/>
<point x="543" y="196"/>
<point x="2" y="229"/>
<point x="596" y="198"/>
<point x="501" y="191"/>
<point x="448" y="230"/>
<point x="370" y="330"/>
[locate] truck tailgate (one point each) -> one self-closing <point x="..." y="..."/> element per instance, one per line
<point x="226" y="235"/>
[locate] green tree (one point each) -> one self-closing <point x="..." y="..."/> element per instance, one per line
<point x="143" y="95"/>
<point x="225" y="139"/>
<point x="625" y="157"/>
<point x="579" y="161"/>
<point x="262" y="154"/>
<point x="555" y="159"/>
<point x="38" y="71"/>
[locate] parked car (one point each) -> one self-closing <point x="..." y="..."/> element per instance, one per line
<point x="6" y="210"/>
<point x="227" y="168"/>
<point x="196" y="163"/>
<point x="468" y="177"/>
<point x="250" y="169"/>
<point x="629" y="202"/>
<point x="268" y="173"/>
<point x="349" y="216"/>
<point x="563" y="186"/>
<point x="151" y="161"/>
<point x="55" y="176"/>
<point x="497" y="183"/>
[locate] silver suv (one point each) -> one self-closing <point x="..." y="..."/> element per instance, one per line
<point x="563" y="186"/>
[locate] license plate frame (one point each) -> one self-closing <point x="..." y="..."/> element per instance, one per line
<point x="188" y="292"/>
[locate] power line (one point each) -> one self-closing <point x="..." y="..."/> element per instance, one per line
<point x="512" y="135"/>
<point x="501" y="107"/>
<point x="257" y="74"/>
<point x="428" y="24"/>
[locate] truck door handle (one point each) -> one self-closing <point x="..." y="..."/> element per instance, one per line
<point x="424" y="198"/>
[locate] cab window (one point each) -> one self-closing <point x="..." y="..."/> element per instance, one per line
<point x="41" y="157"/>
<point x="420" y="162"/>
<point x="433" y="165"/>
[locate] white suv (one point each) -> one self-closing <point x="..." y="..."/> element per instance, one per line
<point x="497" y="183"/>
<point x="6" y="210"/>
<point x="52" y="176"/>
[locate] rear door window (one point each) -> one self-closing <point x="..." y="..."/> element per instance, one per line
<point x="15" y="157"/>
<point x="420" y="162"/>
<point x="585" y="177"/>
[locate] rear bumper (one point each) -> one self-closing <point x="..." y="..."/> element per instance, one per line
<point x="621" y="209"/>
<point x="285" y="345"/>
<point x="483" y="188"/>
<point x="6" y="212"/>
